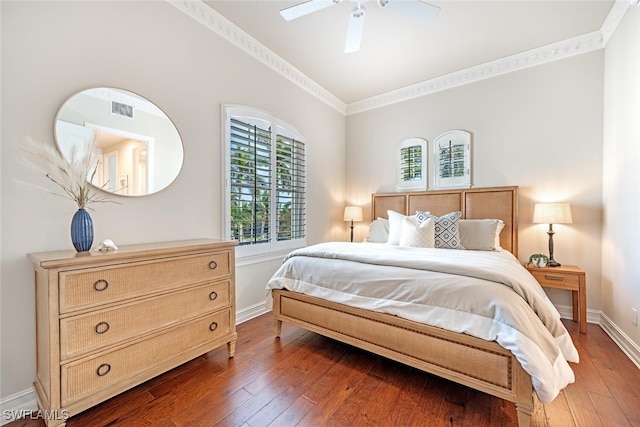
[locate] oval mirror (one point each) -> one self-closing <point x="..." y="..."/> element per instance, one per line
<point x="137" y="148"/>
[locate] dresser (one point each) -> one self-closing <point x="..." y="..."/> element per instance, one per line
<point x="108" y="321"/>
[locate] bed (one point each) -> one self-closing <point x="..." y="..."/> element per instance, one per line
<point x="490" y="360"/>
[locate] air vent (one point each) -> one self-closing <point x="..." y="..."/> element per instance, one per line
<point x="121" y="109"/>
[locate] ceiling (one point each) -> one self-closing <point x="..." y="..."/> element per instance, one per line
<point x="397" y="52"/>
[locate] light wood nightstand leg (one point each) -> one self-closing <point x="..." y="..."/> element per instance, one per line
<point x="583" y="304"/>
<point x="576" y="307"/>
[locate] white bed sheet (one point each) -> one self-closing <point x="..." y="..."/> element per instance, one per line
<point x="486" y="294"/>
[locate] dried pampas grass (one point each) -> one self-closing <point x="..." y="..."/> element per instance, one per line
<point x="72" y="176"/>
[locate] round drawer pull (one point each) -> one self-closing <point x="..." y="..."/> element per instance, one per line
<point x="102" y="328"/>
<point x="103" y="369"/>
<point x="213" y="265"/>
<point x="213" y="326"/>
<point x="100" y="285"/>
<point x="213" y="295"/>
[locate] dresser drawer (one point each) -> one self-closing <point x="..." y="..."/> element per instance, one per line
<point x="133" y="364"/>
<point x="91" y="287"/>
<point x="89" y="332"/>
<point x="557" y="280"/>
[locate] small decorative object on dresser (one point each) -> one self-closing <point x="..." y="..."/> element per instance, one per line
<point x="82" y="230"/>
<point x="571" y="278"/>
<point x="106" y="245"/>
<point x="108" y="321"/>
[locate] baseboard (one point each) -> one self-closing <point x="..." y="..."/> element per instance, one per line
<point x="19" y="405"/>
<point x="566" y="312"/>
<point x="631" y="349"/>
<point x="250" y="312"/>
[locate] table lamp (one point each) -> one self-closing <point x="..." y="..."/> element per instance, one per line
<point x="352" y="213"/>
<point x="552" y="213"/>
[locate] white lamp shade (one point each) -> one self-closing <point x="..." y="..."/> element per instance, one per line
<point x="353" y="213"/>
<point x="552" y="213"/>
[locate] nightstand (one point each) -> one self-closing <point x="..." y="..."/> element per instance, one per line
<point x="571" y="278"/>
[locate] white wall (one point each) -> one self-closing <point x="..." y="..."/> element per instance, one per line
<point x="539" y="128"/>
<point x="51" y="50"/>
<point x="621" y="188"/>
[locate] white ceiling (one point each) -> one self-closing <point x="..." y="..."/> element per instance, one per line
<point x="397" y="52"/>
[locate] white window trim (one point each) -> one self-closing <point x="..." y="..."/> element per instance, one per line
<point x="263" y="251"/>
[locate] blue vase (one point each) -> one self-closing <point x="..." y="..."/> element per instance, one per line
<point x="82" y="231"/>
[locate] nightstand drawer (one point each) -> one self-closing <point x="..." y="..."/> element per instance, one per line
<point x="557" y="280"/>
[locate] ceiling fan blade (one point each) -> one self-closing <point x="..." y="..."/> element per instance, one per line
<point x="416" y="10"/>
<point x="306" y="8"/>
<point x="354" y="32"/>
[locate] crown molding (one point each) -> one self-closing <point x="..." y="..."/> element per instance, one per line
<point x="226" y="29"/>
<point x="614" y="17"/>
<point x="520" y="61"/>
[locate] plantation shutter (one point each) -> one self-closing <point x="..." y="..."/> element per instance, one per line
<point x="452" y="159"/>
<point x="411" y="163"/>
<point x="250" y="182"/>
<point x="290" y="188"/>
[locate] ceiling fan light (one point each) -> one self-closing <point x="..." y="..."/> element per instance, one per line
<point x="383" y="3"/>
<point x="358" y="11"/>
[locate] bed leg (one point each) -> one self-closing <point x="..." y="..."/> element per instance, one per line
<point x="278" y="325"/>
<point x="524" y="415"/>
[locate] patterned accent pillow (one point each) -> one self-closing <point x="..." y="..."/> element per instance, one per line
<point x="446" y="227"/>
<point x="417" y="235"/>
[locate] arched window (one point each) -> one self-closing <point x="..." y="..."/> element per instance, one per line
<point x="265" y="182"/>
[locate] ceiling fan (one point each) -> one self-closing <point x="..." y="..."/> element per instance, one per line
<point x="414" y="9"/>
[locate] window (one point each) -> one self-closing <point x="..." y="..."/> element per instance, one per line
<point x="452" y="152"/>
<point x="412" y="165"/>
<point x="265" y="186"/>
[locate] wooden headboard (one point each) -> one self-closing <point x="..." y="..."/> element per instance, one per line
<point x="474" y="203"/>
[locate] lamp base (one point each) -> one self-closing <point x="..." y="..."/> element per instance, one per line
<point x="554" y="263"/>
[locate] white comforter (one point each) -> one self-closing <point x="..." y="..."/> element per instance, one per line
<point x="485" y="294"/>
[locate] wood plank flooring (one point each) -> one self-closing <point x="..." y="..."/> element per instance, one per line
<point x="304" y="379"/>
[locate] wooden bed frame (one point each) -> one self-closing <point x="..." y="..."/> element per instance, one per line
<point x="479" y="364"/>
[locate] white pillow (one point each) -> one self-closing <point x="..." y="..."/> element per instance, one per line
<point x="378" y="231"/>
<point x="496" y="246"/>
<point x="447" y="234"/>
<point x="395" y="226"/>
<point x="417" y="235"/>
<point x="481" y="234"/>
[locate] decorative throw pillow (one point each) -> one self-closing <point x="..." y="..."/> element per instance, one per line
<point x="395" y="226"/>
<point x="480" y="234"/>
<point x="447" y="234"/>
<point x="378" y="231"/>
<point x="417" y="235"/>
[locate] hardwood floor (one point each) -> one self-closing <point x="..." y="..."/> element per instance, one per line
<point x="304" y="379"/>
